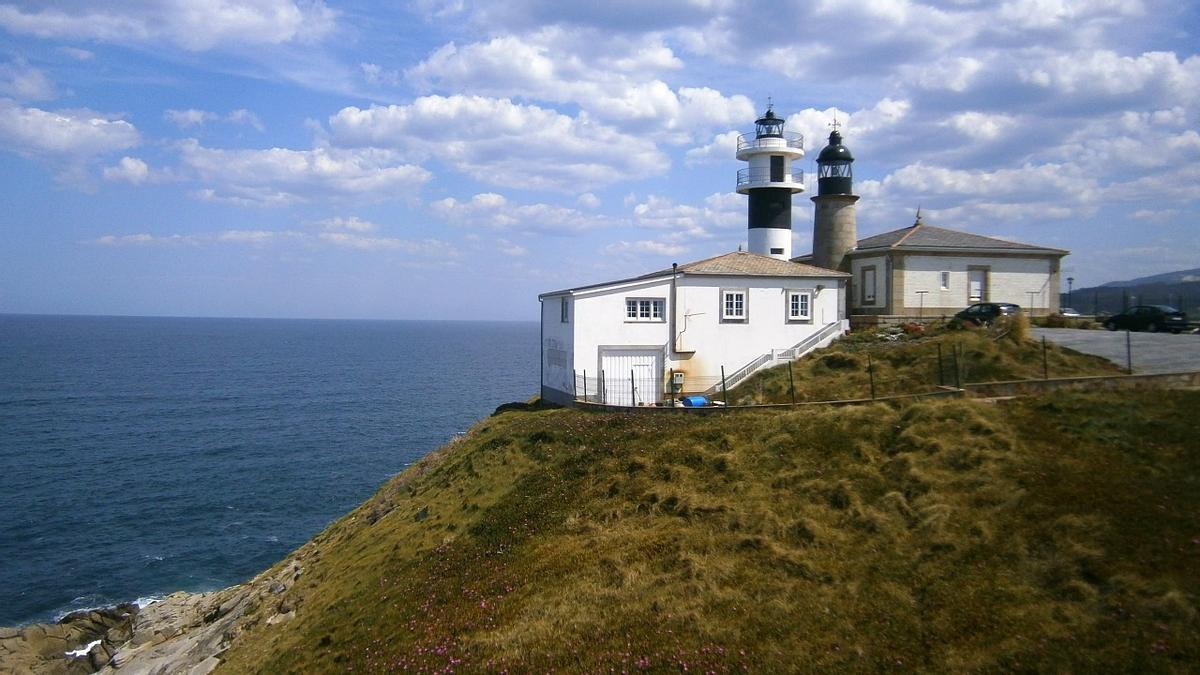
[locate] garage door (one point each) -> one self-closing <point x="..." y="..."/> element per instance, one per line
<point x="632" y="377"/>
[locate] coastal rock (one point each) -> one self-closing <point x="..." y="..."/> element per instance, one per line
<point x="42" y="648"/>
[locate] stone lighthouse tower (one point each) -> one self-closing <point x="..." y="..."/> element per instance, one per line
<point x="835" y="223"/>
<point x="770" y="182"/>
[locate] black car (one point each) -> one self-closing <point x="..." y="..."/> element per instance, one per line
<point x="1148" y="317"/>
<point x="984" y="313"/>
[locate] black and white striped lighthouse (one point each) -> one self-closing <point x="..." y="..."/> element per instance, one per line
<point x="770" y="182"/>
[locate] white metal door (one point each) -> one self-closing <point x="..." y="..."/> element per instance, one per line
<point x="975" y="285"/>
<point x="631" y="376"/>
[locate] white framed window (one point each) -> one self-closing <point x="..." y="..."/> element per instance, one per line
<point x="733" y="304"/>
<point x="564" y="312"/>
<point x="944" y="278"/>
<point x="799" y="305"/>
<point x="645" y="309"/>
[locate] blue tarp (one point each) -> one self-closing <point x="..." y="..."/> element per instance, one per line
<point x="694" y="401"/>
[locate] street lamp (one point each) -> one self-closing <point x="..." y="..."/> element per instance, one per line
<point x="1070" y="283"/>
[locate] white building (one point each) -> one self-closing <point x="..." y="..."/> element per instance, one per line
<point x="705" y="323"/>
<point x="929" y="271"/>
<point x="920" y="271"/>
<point x="622" y="342"/>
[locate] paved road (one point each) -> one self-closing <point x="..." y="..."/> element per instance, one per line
<point x="1152" y="352"/>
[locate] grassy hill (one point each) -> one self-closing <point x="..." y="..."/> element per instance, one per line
<point x="908" y="363"/>
<point x="1051" y="534"/>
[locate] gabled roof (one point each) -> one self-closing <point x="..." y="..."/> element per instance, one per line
<point x="737" y="263"/>
<point x="744" y="263"/>
<point x="921" y="236"/>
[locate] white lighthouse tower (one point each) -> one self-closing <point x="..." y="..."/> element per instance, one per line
<point x="770" y="182"/>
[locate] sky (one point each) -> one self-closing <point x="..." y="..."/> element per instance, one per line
<point x="452" y="159"/>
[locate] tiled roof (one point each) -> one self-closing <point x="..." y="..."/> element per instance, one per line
<point x="752" y="264"/>
<point x="927" y="236"/>
<point x="737" y="263"/>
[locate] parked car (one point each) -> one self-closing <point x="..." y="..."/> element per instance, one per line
<point x="1151" y="318"/>
<point x="1069" y="313"/>
<point x="984" y="313"/>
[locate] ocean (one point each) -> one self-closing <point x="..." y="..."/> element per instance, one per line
<point x="140" y="456"/>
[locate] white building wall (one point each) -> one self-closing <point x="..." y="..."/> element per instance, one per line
<point x="558" y="352"/>
<point x="881" y="282"/>
<point x="599" y="325"/>
<point x="1010" y="279"/>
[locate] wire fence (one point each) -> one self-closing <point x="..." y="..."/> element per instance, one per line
<point x="856" y="372"/>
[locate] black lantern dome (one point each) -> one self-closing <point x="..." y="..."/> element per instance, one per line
<point x="768" y="126"/>
<point x="834" y="173"/>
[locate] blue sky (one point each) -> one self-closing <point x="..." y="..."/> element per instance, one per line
<point x="453" y="159"/>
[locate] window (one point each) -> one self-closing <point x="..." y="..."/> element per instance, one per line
<point x="645" y="309"/>
<point x="799" y="305"/>
<point x="945" y="279"/>
<point x="776" y="251"/>
<point x="868" y="285"/>
<point x="564" y="312"/>
<point x="733" y="305"/>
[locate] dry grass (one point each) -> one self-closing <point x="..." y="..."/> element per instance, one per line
<point x="1054" y="534"/>
<point x="908" y="363"/>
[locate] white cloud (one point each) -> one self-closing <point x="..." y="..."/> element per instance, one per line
<point x="243" y="116"/>
<point x="954" y="74"/>
<point x="1155" y="77"/>
<point x="77" y="53"/>
<point x="129" y="169"/>
<point x="644" y="247"/>
<point x="494" y="211"/>
<point x="193" y="117"/>
<point x="614" y="88"/>
<point x="25" y="83"/>
<point x="510" y="249"/>
<point x="982" y="126"/>
<point x="281" y="175"/>
<point x="145" y="239"/>
<point x="194" y="25"/>
<point x="353" y="224"/>
<point x="721" y="210"/>
<point x="430" y="248"/>
<point x="503" y="143"/>
<point x="74" y="134"/>
<point x="588" y="200"/>
<point x="721" y="148"/>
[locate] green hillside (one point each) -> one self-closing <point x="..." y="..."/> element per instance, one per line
<point x="1049" y="534"/>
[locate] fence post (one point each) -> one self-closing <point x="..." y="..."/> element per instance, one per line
<point x="941" y="370"/>
<point x="957" y="369"/>
<point x="792" y="383"/>
<point x="871" y="374"/>
<point x="632" y="390"/>
<point x="1128" y="354"/>
<point x="1045" y="363"/>
<point x="575" y="384"/>
<point x="603" y="389"/>
<point x="585" y="386"/>
<point x="724" y="390"/>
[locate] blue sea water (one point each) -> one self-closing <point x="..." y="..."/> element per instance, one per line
<point x="140" y="456"/>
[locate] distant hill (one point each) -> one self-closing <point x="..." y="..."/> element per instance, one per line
<point x="1183" y="276"/>
<point x="1179" y="289"/>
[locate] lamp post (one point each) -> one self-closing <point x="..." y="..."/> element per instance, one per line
<point x="1070" y="283"/>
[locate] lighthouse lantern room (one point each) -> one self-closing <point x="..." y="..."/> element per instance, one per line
<point x="770" y="183"/>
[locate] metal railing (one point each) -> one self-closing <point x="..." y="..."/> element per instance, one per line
<point x="777" y="355"/>
<point x="757" y="175"/>
<point x="788" y="139"/>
